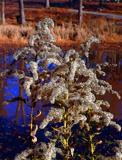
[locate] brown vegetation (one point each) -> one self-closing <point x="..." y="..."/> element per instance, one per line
<point x="67" y="32"/>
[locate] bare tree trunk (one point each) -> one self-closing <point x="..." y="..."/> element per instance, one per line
<point x="80" y="12"/>
<point x="22" y="12"/>
<point x="47" y="3"/>
<point x="3" y="12"/>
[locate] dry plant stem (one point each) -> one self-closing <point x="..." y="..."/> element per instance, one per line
<point x="66" y="135"/>
<point x="31" y="120"/>
<point x="92" y="147"/>
<point x="91" y="141"/>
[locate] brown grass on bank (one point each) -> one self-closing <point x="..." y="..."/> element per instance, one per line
<point x="14" y="34"/>
<point x="71" y="35"/>
<point x="67" y="34"/>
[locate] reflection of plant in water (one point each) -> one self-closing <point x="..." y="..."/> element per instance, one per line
<point x="71" y="88"/>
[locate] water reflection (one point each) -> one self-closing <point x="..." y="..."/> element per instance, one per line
<point x="10" y="88"/>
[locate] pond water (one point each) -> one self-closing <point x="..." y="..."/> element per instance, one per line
<point x="15" y="137"/>
<point x="9" y="132"/>
<point x="9" y="89"/>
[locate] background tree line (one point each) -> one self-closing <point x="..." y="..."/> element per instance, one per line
<point x="22" y="18"/>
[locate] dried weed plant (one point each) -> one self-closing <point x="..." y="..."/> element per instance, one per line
<point x="64" y="82"/>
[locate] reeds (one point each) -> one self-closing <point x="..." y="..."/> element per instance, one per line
<point x="67" y="33"/>
<point x="14" y="34"/>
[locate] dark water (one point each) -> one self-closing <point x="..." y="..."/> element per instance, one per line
<point x="13" y="138"/>
<point x="10" y="89"/>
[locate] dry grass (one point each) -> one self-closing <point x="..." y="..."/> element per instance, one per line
<point x="106" y="30"/>
<point x="14" y="34"/>
<point x="68" y="34"/>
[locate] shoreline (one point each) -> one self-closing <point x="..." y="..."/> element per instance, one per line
<point x="8" y="46"/>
